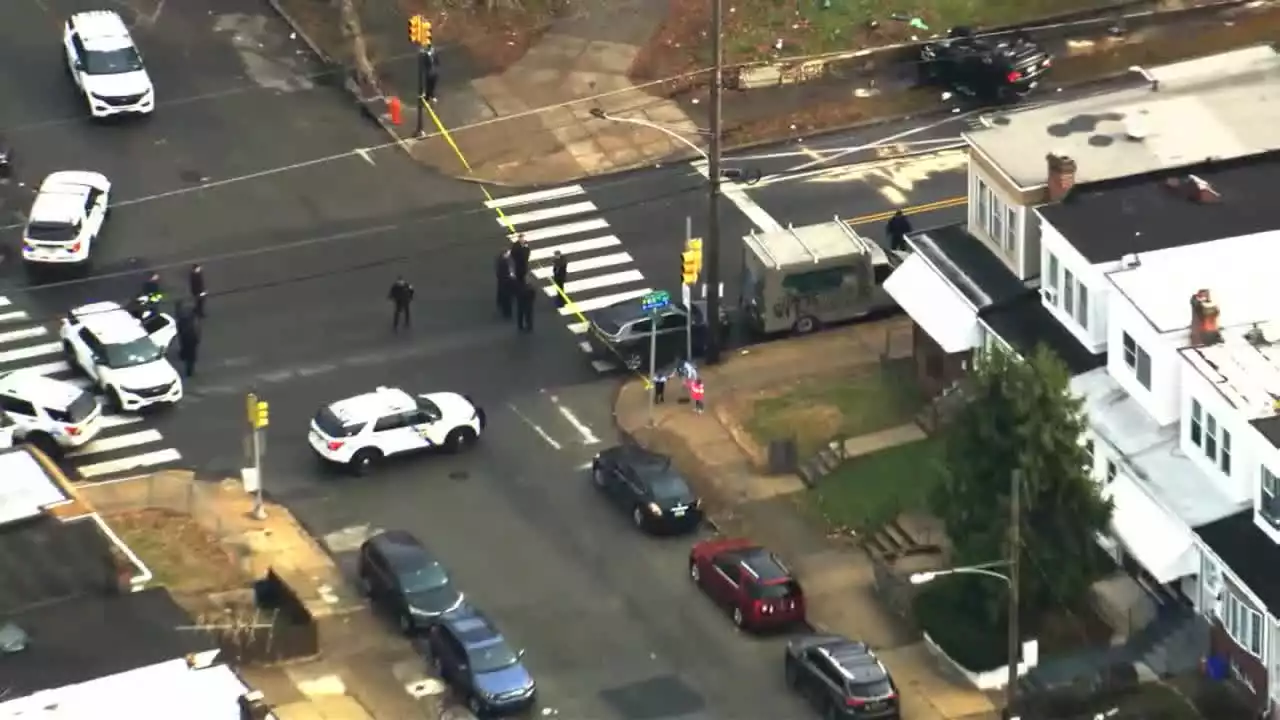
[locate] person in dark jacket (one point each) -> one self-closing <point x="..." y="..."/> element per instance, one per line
<point x="400" y="295"/>
<point x="505" y="276"/>
<point x="559" y="276"/>
<point x="195" y="281"/>
<point x="525" y="293"/>
<point x="520" y="258"/>
<point x="151" y="289"/>
<point x="188" y="337"/>
<point x="898" y="230"/>
<point x="430" y="73"/>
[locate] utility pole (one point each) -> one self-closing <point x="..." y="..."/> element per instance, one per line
<point x="712" y="263"/>
<point x="1015" y="554"/>
<point x="258" y="416"/>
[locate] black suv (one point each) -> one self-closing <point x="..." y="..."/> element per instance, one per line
<point x="620" y="332"/>
<point x="988" y="71"/>
<point x="645" y="485"/>
<point x="841" y="678"/>
<point x="402" y="578"/>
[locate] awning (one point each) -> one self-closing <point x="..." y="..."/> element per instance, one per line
<point x="935" y="305"/>
<point x="1159" y="542"/>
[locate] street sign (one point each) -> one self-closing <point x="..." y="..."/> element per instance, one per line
<point x="656" y="300"/>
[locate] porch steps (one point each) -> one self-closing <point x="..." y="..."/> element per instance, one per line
<point x="891" y="542"/>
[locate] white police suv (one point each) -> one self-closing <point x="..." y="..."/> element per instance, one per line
<point x="361" y="431"/>
<point x="51" y="414"/>
<point x="65" y="219"/>
<point x="124" y="358"/>
<point x="106" y="65"/>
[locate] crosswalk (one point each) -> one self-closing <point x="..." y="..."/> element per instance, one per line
<point x="601" y="272"/>
<point x="125" y="446"/>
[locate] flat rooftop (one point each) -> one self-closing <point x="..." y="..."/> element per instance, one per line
<point x="46" y="560"/>
<point x="1025" y="324"/>
<point x="1173" y="478"/>
<point x="91" y="637"/>
<point x="1250" y="554"/>
<point x="967" y="264"/>
<point x="1217" y="107"/>
<point x="1141" y="214"/>
<point x="808" y="245"/>
<point x="1244" y="367"/>
<point x="1238" y="271"/>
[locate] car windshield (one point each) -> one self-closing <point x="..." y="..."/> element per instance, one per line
<point x="488" y="658"/>
<point x="77" y="412"/>
<point x="777" y="591"/>
<point x="431" y="409"/>
<point x="112" y="62"/>
<point x="428" y="577"/>
<point x="333" y="426"/>
<point x="873" y="689"/>
<point x="668" y="486"/>
<point x="136" y="352"/>
<point x="52" y="231"/>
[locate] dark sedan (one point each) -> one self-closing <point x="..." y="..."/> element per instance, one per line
<point x="990" y="70"/>
<point x="404" y="579"/>
<point x="647" y="487"/>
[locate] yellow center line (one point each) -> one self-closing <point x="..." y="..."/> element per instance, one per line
<point x="573" y="308"/>
<point x="943" y="204"/>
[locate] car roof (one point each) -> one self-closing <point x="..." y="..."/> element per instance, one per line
<point x="372" y="405"/>
<point x="109" y="322"/>
<point x="58" y="202"/>
<point x="763" y="564"/>
<point x="101" y="30"/>
<point x="638" y="457"/>
<point x="403" y="550"/>
<point x="39" y="389"/>
<point x="854" y="659"/>
<point x="472" y="627"/>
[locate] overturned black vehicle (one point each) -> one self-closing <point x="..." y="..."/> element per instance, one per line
<point x="1001" y="69"/>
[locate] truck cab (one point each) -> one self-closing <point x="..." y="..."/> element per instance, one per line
<point x="796" y="280"/>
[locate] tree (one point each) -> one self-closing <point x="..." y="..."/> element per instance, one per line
<point x="1021" y="414"/>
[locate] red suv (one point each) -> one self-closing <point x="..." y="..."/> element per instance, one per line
<point x="752" y="582"/>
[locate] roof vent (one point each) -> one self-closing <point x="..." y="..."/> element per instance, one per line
<point x="1130" y="261"/>
<point x="1255" y="337"/>
<point x="13" y="639"/>
<point x="1136" y="129"/>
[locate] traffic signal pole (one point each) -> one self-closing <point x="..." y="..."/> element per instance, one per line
<point x="420" y="35"/>
<point x="257" y="412"/>
<point x="712" y="262"/>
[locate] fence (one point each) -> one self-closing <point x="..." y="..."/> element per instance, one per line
<point x="173" y="491"/>
<point x="894" y="589"/>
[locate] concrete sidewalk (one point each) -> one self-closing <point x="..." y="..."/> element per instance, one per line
<point x="839" y="578"/>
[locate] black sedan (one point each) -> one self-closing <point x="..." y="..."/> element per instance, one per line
<point x="988" y="70"/>
<point x="646" y="486"/>
<point x="405" y="580"/>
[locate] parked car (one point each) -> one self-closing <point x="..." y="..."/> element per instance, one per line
<point x="469" y="654"/>
<point x="753" y="583"/>
<point x="842" y="678"/>
<point x="404" y="579"/>
<point x="646" y="486"/>
<point x="622" y="332"/>
<point x="54" y="415"/>
<point x="988" y="70"/>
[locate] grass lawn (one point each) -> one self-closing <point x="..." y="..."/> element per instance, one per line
<point x="181" y="553"/>
<point x="868" y="491"/>
<point x="815" y="411"/>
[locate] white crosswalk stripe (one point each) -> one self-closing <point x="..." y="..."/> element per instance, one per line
<point x="123" y="446"/>
<point x="563" y="220"/>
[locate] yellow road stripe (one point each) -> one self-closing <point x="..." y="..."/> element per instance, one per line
<point x="914" y="210"/>
<point x="573" y="308"/>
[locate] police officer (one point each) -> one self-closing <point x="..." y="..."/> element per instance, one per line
<point x="151" y="288"/>
<point x="400" y="295"/>
<point x="195" y="282"/>
<point x="525" y="292"/>
<point x="504" y="272"/>
<point x="188" y="338"/>
<point x="559" y="275"/>
<point x="520" y="258"/>
<point x="430" y="72"/>
<point x="898" y="229"/>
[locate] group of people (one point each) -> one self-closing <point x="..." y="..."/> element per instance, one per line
<point x="187" y="318"/>
<point x="516" y="288"/>
<point x="688" y="372"/>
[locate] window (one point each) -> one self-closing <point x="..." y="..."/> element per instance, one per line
<point x="1053" y="271"/>
<point x="1244" y="625"/>
<point x="1197" y="429"/>
<point x="390" y="422"/>
<point x="17" y="406"/>
<point x="1010" y="227"/>
<point x="1269" y="507"/>
<point x="1224" y="458"/>
<point x="1089" y="461"/>
<point x="1137" y="360"/>
<point x="1082" y="305"/>
<point x="1112" y="471"/>
<point x="1210" y="437"/>
<point x="818" y="281"/>
<point x="997" y="219"/>
<point x="1068" y="292"/>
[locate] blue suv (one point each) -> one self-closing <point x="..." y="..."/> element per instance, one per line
<point x="470" y="655"/>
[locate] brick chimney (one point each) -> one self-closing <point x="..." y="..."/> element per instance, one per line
<point x="1204" y="319"/>
<point x="1062" y="176"/>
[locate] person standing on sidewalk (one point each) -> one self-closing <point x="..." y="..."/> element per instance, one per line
<point x="659" y="386"/>
<point x="559" y="276"/>
<point x="430" y="73"/>
<point x="697" y="392"/>
<point x="400" y="295"/>
<point x="504" y="274"/>
<point x="898" y="229"/>
<point x="188" y="337"/>
<point x="525" y="293"/>
<point x="195" y="281"/>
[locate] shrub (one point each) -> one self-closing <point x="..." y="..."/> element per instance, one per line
<point x="952" y="613"/>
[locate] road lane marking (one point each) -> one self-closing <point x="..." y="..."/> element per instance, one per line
<point x="882" y="141"/>
<point x="23" y="334"/>
<point x="599" y="281"/>
<point x="550" y="213"/>
<point x="132" y="462"/>
<point x="535" y="197"/>
<point x="4" y="301"/>
<point x="555" y="231"/>
<point x="348" y="539"/>
<point x="588" y="437"/>
<point x="596" y="303"/>
<point x="13" y="316"/>
<point x="574" y="247"/>
<point x="109" y="421"/>
<point x="364" y="153"/>
<point x="30" y="351"/>
<point x="49" y="368"/>
<point x="117" y="442"/>
<point x="536" y="428"/>
<point x="591" y="263"/>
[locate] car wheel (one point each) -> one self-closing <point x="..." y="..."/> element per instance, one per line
<point x="113" y="400"/>
<point x="738" y="618"/>
<point x="633" y="362"/>
<point x="45" y="444"/>
<point x="460" y="439"/>
<point x="475" y="706"/>
<point x="805" y="325"/>
<point x="695" y="574"/>
<point x="365" y="587"/>
<point x="363" y="461"/>
<point x="790" y="674"/>
<point x="406" y="623"/>
<point x="68" y="351"/>
<point x="637" y="517"/>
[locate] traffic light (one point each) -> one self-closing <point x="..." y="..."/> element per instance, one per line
<point x="691" y="261"/>
<point x="257" y="411"/>
<point x="419" y="30"/>
<point x="261" y="415"/>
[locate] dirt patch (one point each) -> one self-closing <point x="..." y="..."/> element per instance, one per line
<point x="182" y="554"/>
<point x="494" y="39"/>
<point x="753" y="28"/>
<point x="320" y="22"/>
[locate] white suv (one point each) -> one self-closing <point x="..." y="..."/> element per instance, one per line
<point x="361" y="431"/>
<point x="106" y="66"/>
<point x="122" y="357"/>
<point x="65" y="218"/>
<point x="51" y="414"/>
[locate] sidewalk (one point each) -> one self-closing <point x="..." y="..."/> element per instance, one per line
<point x="364" y="670"/>
<point x="839" y="579"/>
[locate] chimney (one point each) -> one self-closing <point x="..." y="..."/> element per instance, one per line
<point x="1062" y="176"/>
<point x="1204" y="319"/>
